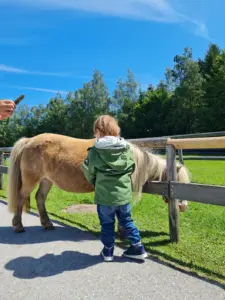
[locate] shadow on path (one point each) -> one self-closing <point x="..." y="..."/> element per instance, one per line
<point x="48" y="265"/>
<point x="37" y="235"/>
<point x="71" y="260"/>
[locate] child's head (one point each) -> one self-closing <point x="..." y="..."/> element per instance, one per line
<point x="106" y="125"/>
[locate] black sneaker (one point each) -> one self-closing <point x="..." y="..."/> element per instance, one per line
<point x="107" y="253"/>
<point x="135" y="252"/>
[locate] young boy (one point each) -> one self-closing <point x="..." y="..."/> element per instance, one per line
<point x="109" y="166"/>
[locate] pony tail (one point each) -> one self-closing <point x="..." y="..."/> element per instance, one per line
<point x="14" y="175"/>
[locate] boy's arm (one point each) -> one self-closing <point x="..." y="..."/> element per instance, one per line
<point x="89" y="169"/>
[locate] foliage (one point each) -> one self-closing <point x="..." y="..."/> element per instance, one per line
<point x="191" y="99"/>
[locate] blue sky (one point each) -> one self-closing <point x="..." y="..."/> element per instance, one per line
<point x="54" y="45"/>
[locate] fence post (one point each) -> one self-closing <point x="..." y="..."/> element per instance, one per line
<point x="1" y="175"/>
<point x="180" y="154"/>
<point x="172" y="202"/>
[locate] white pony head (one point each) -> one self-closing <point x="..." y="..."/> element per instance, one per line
<point x="152" y="167"/>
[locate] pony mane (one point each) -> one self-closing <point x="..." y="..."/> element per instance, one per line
<point x="152" y="167"/>
<point x="148" y="167"/>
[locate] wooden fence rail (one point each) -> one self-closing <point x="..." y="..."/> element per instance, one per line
<point x="198" y="143"/>
<point x="173" y="190"/>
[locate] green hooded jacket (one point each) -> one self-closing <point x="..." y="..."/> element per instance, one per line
<point x="108" y="167"/>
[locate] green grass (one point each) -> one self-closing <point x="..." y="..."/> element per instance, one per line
<point x="202" y="228"/>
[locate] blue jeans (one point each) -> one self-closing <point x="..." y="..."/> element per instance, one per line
<point x="107" y="215"/>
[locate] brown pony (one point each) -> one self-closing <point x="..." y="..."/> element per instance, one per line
<point x="56" y="159"/>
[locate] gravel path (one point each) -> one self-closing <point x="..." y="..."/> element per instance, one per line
<point x="65" y="264"/>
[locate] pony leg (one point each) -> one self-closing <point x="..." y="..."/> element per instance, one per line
<point x="24" y="196"/>
<point x="17" y="219"/>
<point x="121" y="232"/>
<point x="41" y="196"/>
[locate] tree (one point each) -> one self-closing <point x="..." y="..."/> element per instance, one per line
<point x="54" y="119"/>
<point x="151" y="112"/>
<point x="124" y="99"/>
<point x="188" y="92"/>
<point x="190" y="100"/>
<point x="85" y="105"/>
<point x="125" y="91"/>
<point x="4" y="133"/>
<point x="214" y="98"/>
<point x="206" y="65"/>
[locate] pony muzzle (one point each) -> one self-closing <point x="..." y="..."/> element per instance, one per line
<point x="183" y="204"/>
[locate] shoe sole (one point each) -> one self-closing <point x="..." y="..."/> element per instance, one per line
<point x="107" y="259"/>
<point x="138" y="257"/>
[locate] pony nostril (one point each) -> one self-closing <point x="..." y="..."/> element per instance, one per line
<point x="183" y="205"/>
<point x="165" y="199"/>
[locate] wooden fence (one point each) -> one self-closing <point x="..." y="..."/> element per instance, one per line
<point x="172" y="189"/>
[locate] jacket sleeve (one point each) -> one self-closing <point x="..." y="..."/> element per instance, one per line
<point x="88" y="167"/>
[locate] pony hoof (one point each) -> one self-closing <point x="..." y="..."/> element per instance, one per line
<point x="19" y="229"/>
<point x="49" y="226"/>
<point x="183" y="208"/>
<point x="121" y="237"/>
<point x="121" y="234"/>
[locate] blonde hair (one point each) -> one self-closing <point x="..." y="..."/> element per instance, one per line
<point x="106" y="125"/>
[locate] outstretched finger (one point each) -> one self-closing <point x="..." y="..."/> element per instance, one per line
<point x="9" y="102"/>
<point x="8" y="105"/>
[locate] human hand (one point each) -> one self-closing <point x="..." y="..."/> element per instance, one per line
<point x="7" y="108"/>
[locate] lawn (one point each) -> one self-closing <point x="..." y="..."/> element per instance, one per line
<point x="202" y="228"/>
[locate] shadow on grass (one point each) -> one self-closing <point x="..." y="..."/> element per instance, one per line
<point x="155" y="234"/>
<point x="152" y="234"/>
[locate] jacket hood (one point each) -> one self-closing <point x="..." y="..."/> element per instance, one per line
<point x="115" y="152"/>
<point x="110" y="142"/>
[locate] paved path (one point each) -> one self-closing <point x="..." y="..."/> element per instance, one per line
<point x="65" y="264"/>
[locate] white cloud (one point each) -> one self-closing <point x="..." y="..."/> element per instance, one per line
<point x="158" y="10"/>
<point x="9" y="69"/>
<point x="202" y="30"/>
<point x="39" y="89"/>
<point x="154" y="10"/>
